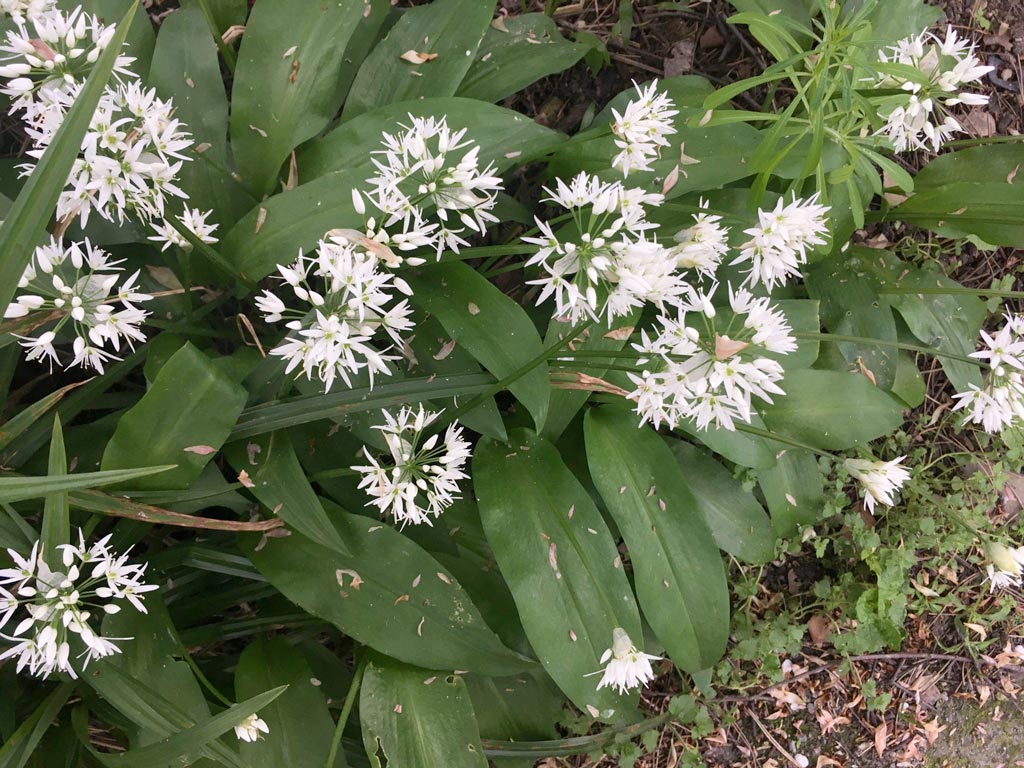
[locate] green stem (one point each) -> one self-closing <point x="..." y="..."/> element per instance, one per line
<point x="958" y="290"/>
<point x="574" y="746"/>
<point x="225" y="50"/>
<point x="837" y="337"/>
<point x="751" y="430"/>
<point x="551" y="6"/>
<point x="346" y="710"/>
<point x="209" y="252"/>
<point x="504" y="383"/>
<point x="483" y="251"/>
<point x="330" y="474"/>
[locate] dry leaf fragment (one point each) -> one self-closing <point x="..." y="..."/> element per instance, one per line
<point x="499" y="24"/>
<point x="620" y="334"/>
<point x="415" y="57"/>
<point x="473" y="309"/>
<point x="245" y="480"/>
<point x="200" y="450"/>
<point x="355" y="582"/>
<point x="446" y="349"/>
<point x="290" y="51"/>
<point x="260" y="131"/>
<point x="261" y="218"/>
<point x="670" y="180"/>
<point x="881" y="734"/>
<point x="1012" y="174"/>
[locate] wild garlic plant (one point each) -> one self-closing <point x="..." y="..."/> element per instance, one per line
<point x="436" y="387"/>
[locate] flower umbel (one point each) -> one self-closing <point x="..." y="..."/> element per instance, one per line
<point x="627" y="667"/>
<point x="428" y="165"/>
<point x="881" y="479"/>
<point x="711" y="377"/>
<point x="641" y="129"/>
<point x="999" y="403"/>
<point x="778" y="244"/>
<point x="58" y="603"/>
<point x="75" y="292"/>
<point x="422" y="478"/>
<point x="920" y="118"/>
<point x="349" y="302"/>
<point x="606" y="266"/>
<point x="251" y="728"/>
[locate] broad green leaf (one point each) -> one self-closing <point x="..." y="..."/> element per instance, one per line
<point x="910" y="386"/>
<point x="183" y="419"/>
<point x="281" y="414"/>
<point x="14" y="488"/>
<point x="894" y="19"/>
<point x="413" y="718"/>
<point x="973" y="191"/>
<point x="738" y="447"/>
<point x="521" y="708"/>
<point x="301" y="728"/>
<point x="286" y="82"/>
<point x="281" y="486"/>
<point x="138" y="43"/>
<point x="185" y="67"/>
<point x="832" y="410"/>
<point x="224" y="13"/>
<point x="388" y="594"/>
<point x="560" y="562"/>
<point x="24" y="447"/>
<point x="680" y="578"/>
<point x="707" y="157"/>
<point x="802" y="315"/>
<point x="739" y="524"/>
<point x="25" y="418"/>
<point x="565" y="403"/>
<point x="274" y="231"/>
<point x="946" y="322"/>
<point x="186" y="746"/>
<point x="26" y="221"/>
<point x="146" y="682"/>
<point x="451" y="29"/>
<point x="850" y="306"/>
<point x="520" y="51"/>
<point x="471" y="309"/>
<point x="17" y="750"/>
<point x="435" y="352"/>
<point x="498" y="131"/>
<point x="56" y="528"/>
<point x="793" y="490"/>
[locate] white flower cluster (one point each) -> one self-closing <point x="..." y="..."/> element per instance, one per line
<point x="1006" y="566"/>
<point x="349" y="300"/>
<point x="422" y="478"/>
<point x="921" y="119"/>
<point x="881" y="479"/>
<point x="78" y="288"/>
<point x="626" y="666"/>
<point x="425" y="166"/>
<point x="58" y="603"/>
<point x="134" y="147"/>
<point x="191" y="219"/>
<point x="702" y="246"/>
<point x="711" y="377"/>
<point x="999" y="404"/>
<point x="26" y="10"/>
<point x="641" y="129"/>
<point x="778" y="244"/>
<point x="606" y="265"/>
